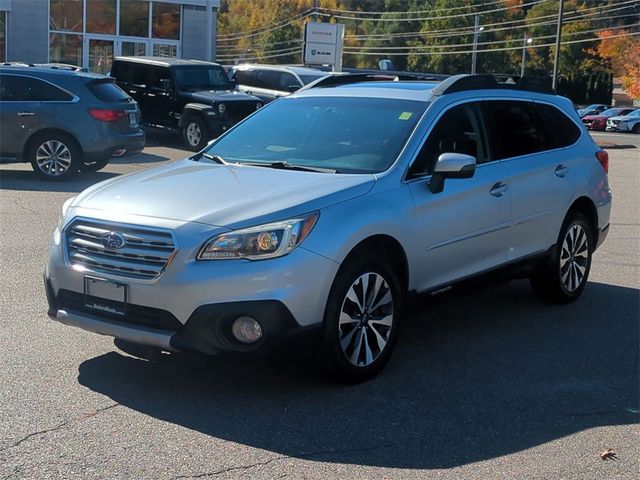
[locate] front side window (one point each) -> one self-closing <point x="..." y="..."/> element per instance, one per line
<point x="349" y="135"/>
<point x="457" y="131"/>
<point x="13" y="89"/>
<point x="267" y="79"/>
<point x="213" y="78"/>
<point x="287" y="80"/>
<point x="244" y="77"/>
<point x="512" y="129"/>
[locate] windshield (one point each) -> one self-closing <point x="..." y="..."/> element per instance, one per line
<point x="635" y="113"/>
<point x="348" y="135"/>
<point x="205" y="77"/>
<point x="610" y="112"/>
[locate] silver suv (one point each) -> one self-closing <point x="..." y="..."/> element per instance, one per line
<point x="324" y="211"/>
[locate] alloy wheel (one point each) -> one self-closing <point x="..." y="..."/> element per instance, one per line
<point x="366" y="319"/>
<point x="574" y="258"/>
<point x="53" y="158"/>
<point x="194" y="135"/>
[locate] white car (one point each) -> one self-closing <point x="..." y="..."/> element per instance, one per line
<point x="625" y="123"/>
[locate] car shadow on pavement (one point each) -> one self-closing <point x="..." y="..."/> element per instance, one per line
<point x="474" y="377"/>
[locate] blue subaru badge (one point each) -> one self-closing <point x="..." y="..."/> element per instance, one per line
<point x="113" y="240"/>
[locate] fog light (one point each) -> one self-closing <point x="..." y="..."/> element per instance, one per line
<point x="246" y="330"/>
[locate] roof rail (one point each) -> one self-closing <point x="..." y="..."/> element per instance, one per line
<point x="54" y="66"/>
<point x="336" y="79"/>
<point x="460" y="83"/>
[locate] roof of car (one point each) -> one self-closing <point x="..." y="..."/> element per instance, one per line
<point x="407" y="90"/>
<point x="291" y="68"/>
<point x="49" y="69"/>
<point x="165" y="61"/>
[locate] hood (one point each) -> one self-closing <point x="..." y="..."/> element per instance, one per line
<point x="221" y="195"/>
<point x="210" y="96"/>
<point x="620" y="117"/>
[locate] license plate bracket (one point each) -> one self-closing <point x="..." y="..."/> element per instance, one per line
<point x="133" y="120"/>
<point x="105" y="296"/>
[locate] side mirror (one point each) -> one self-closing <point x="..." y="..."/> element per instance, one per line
<point x="293" y="88"/>
<point x="232" y="84"/>
<point x="451" y="165"/>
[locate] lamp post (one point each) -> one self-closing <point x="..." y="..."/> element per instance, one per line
<point x="476" y="31"/>
<point x="525" y="43"/>
<point x="556" y="59"/>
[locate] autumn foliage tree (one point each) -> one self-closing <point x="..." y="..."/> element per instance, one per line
<point x="623" y="55"/>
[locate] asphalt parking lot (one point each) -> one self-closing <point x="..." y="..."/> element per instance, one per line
<point x="483" y="385"/>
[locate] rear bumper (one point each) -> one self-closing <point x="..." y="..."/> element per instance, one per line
<point x="112" y="146"/>
<point x="602" y="235"/>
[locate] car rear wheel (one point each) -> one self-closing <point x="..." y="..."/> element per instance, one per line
<point x="361" y="320"/>
<point x="54" y="156"/>
<point x="561" y="278"/>
<point x="636" y="128"/>
<point x="194" y="133"/>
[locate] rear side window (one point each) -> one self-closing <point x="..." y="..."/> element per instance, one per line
<point x="267" y="79"/>
<point x="19" y="88"/>
<point x="558" y="129"/>
<point x="512" y="129"/>
<point x="244" y="77"/>
<point x="108" y="92"/>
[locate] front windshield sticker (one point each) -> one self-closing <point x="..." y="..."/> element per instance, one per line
<point x="405" y="115"/>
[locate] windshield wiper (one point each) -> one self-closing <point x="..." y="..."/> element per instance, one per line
<point x="208" y="156"/>
<point x="284" y="165"/>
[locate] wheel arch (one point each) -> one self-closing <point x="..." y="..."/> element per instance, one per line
<point x="586" y="207"/>
<point x="190" y="109"/>
<point x="386" y="246"/>
<point x="55" y="130"/>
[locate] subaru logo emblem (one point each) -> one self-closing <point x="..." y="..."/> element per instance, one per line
<point x="113" y="240"/>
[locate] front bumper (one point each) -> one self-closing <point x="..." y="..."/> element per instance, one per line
<point x="192" y="304"/>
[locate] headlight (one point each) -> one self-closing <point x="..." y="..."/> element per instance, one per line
<point x="221" y="108"/>
<point x="257" y="243"/>
<point x="63" y="212"/>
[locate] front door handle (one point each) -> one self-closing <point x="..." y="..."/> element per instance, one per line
<point x="561" y="171"/>
<point x="499" y="189"/>
<point x="26" y="114"/>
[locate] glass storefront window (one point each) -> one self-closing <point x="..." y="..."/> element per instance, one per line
<point x="65" y="48"/>
<point x="101" y="16"/>
<point x="166" y="21"/>
<point x="3" y="31"/>
<point x="65" y="15"/>
<point x="134" y="18"/>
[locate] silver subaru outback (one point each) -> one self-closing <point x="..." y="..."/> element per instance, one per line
<point x="324" y="211"/>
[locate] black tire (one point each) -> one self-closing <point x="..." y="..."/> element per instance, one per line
<point x="65" y="156"/>
<point x="337" y="362"/>
<point x="194" y="133"/>
<point x="94" y="166"/>
<point x="556" y="278"/>
<point x="636" y="128"/>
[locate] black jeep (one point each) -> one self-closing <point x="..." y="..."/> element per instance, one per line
<point x="191" y="96"/>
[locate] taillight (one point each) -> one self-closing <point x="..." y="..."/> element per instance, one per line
<point x="603" y="158"/>
<point x="107" y="115"/>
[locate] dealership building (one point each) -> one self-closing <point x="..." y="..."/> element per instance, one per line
<point x="89" y="33"/>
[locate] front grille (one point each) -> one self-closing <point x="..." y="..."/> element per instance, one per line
<point x="236" y="111"/>
<point x="144" y="255"/>
<point x="136" y="314"/>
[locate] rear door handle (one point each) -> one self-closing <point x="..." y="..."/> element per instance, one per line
<point x="499" y="189"/>
<point x="26" y="114"/>
<point x="561" y="171"/>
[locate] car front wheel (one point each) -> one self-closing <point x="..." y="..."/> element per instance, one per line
<point x="361" y="321"/>
<point x="561" y="278"/>
<point x="194" y="133"/>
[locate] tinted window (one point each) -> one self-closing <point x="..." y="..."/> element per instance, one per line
<point x="306" y="79"/>
<point x="267" y="79"/>
<point x="131" y="73"/>
<point x="351" y="135"/>
<point x="108" y="92"/>
<point x="287" y="79"/>
<point x="457" y="131"/>
<point x="202" y="77"/>
<point x="22" y="89"/>
<point x="512" y="129"/>
<point x="558" y="130"/>
<point x="244" y="77"/>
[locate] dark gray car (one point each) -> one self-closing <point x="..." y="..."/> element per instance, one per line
<point x="63" y="121"/>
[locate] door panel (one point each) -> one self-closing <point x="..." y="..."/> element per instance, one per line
<point x="19" y="115"/>
<point x="464" y="228"/>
